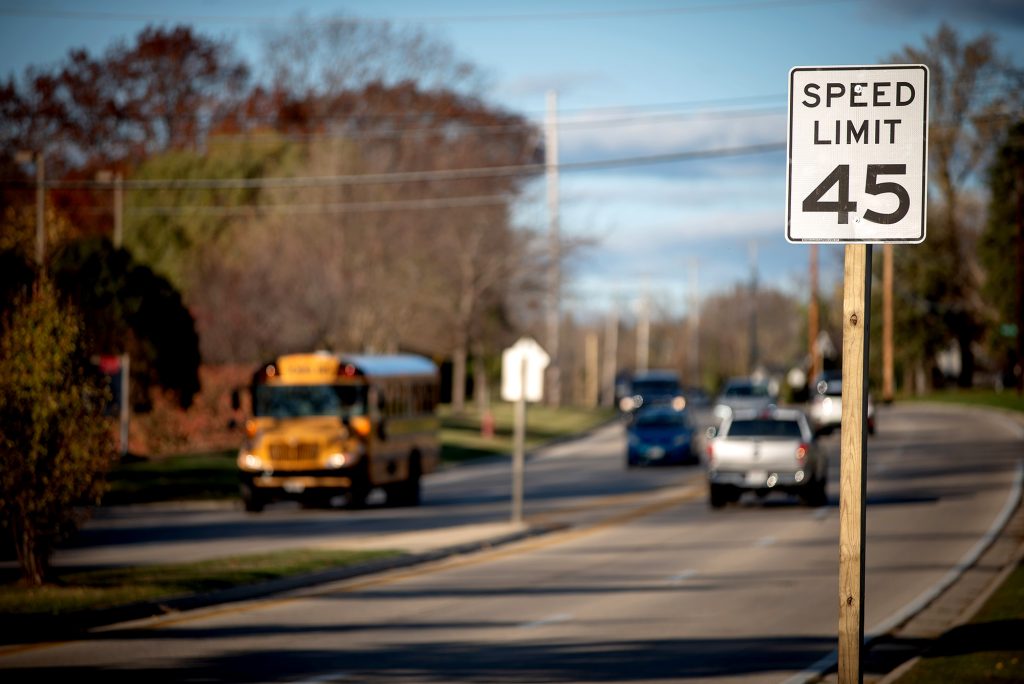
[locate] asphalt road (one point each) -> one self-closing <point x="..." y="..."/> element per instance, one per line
<point x="672" y="592"/>
<point x="573" y="483"/>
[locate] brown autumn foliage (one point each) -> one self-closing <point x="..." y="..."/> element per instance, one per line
<point x="206" y="426"/>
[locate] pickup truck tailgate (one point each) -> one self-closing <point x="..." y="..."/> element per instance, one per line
<point x="742" y="454"/>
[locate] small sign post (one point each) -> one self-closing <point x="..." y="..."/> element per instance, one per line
<point x="857" y="175"/>
<point x="522" y="380"/>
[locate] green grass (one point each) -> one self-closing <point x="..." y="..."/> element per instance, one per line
<point x="79" y="591"/>
<point x="989" y="648"/>
<point x="211" y="475"/>
<point x="462" y="440"/>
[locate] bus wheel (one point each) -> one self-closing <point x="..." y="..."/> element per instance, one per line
<point x="360" y="488"/>
<point x="252" y="499"/>
<point x="407" y="493"/>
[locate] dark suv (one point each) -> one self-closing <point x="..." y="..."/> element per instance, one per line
<point x="653" y="388"/>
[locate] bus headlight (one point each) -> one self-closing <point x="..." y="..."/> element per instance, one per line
<point x="338" y="459"/>
<point x="251" y="462"/>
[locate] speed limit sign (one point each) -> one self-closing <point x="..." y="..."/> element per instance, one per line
<point x="858" y="154"/>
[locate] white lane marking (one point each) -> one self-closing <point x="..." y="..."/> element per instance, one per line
<point x="681" y="577"/>
<point x="765" y="542"/>
<point x="549" y="620"/>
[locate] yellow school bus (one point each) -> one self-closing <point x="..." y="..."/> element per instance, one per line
<point x="329" y="425"/>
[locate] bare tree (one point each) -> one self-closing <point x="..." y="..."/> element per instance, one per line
<point x="975" y="93"/>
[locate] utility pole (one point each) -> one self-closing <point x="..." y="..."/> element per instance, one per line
<point x="40" y="207"/>
<point x="39" y="159"/>
<point x="643" y="333"/>
<point x="117" y="186"/>
<point x="611" y="352"/>
<point x="1019" y="368"/>
<point x="695" y="322"/>
<point x="888" y="380"/>
<point x="754" y="356"/>
<point x="118" y="210"/>
<point x="554" y="250"/>
<point x="592" y="371"/>
<point x="812" y="319"/>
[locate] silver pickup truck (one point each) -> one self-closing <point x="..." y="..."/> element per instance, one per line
<point x="764" y="451"/>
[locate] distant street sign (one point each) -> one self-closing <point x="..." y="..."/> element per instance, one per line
<point x="858" y="154"/>
<point x="523" y="362"/>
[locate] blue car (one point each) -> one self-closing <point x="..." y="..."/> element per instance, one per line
<point x="660" y="436"/>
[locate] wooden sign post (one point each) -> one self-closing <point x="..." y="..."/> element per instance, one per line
<point x="857" y="175"/>
<point x="853" y="452"/>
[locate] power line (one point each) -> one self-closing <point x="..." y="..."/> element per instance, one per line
<point x="329" y="207"/>
<point x="419" y="176"/>
<point x="580" y="123"/>
<point x="468" y="18"/>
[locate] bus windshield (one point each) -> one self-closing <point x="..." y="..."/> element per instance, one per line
<point x="300" y="401"/>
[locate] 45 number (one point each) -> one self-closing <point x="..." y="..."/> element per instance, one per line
<point x="840" y="177"/>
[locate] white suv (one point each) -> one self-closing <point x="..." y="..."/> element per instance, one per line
<point x="826" y="404"/>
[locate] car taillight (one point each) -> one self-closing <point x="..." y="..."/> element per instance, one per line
<point x="801" y="453"/>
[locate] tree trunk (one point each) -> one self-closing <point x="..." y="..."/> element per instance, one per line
<point x="459" y="379"/>
<point x="966" y="378"/>
<point x="480" y="388"/>
<point x="32" y="556"/>
<point x="921" y="381"/>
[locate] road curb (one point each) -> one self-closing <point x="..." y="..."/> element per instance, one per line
<point x="890" y="631"/>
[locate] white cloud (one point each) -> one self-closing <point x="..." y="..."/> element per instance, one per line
<point x="534" y="87"/>
<point x="660" y="136"/>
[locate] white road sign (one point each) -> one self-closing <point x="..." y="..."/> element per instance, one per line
<point x="858" y="154"/>
<point x="526" y="352"/>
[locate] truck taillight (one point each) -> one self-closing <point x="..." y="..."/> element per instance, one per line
<point x="710" y="451"/>
<point x="801" y="453"/>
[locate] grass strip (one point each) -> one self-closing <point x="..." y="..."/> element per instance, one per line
<point x="462" y="439"/>
<point x="1007" y="399"/>
<point x="989" y="648"/>
<point x="208" y="475"/>
<point x="73" y="592"/>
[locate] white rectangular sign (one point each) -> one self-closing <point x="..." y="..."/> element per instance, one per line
<point x="858" y="154"/>
<point x="523" y="362"/>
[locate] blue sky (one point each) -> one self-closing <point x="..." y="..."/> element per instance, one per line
<point x="634" y="79"/>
